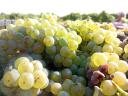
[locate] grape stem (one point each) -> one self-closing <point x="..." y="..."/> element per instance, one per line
<point x="97" y="91"/>
<point x="120" y="89"/>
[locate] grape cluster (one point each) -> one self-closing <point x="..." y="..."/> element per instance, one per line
<point x="49" y="57"/>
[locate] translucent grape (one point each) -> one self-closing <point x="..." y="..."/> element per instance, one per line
<point x="56" y="88"/>
<point x="98" y="59"/>
<point x="108" y="88"/>
<point x="123" y="66"/>
<point x="20" y="61"/>
<point x="26" y="81"/>
<point x="112" y="67"/>
<point x="37" y="65"/>
<point x="119" y="78"/>
<point x="49" y="41"/>
<point x="10" y="78"/>
<point x="41" y="80"/>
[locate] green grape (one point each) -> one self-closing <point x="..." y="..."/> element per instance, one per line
<point x="26" y="81"/>
<point x="66" y="52"/>
<point x="12" y="44"/>
<point x="29" y="30"/>
<point x="90" y="45"/>
<point x="25" y="67"/>
<point x="80" y="79"/>
<point x="112" y="67"/>
<point x="63" y="93"/>
<point x="41" y="79"/>
<point x="35" y="33"/>
<point x="51" y="50"/>
<point x="3" y="44"/>
<point x="116" y="42"/>
<point x="61" y="32"/>
<point x="113" y="57"/>
<point x="10" y="27"/>
<point x="10" y="78"/>
<point x="45" y="24"/>
<point x="72" y="45"/>
<point x="107" y="48"/>
<point x="108" y="88"/>
<point x="123" y="66"/>
<point x="38" y="48"/>
<point x="125" y="86"/>
<point x="21" y="60"/>
<point x="126" y="48"/>
<point x="28" y="41"/>
<point x="19" y="22"/>
<point x="96" y="48"/>
<point x="49" y="41"/>
<point x="98" y="59"/>
<point x="66" y="74"/>
<point x="67" y="62"/>
<point x="78" y="39"/>
<point x="118" y="50"/>
<point x="46" y="71"/>
<point x="74" y="68"/>
<point x="56" y="76"/>
<point x="58" y="59"/>
<point x="109" y="38"/>
<point x="18" y="37"/>
<point x="63" y="42"/>
<point x="98" y="38"/>
<point x="119" y="78"/>
<point x="67" y="84"/>
<point x="49" y="32"/>
<point x="77" y="90"/>
<point x="29" y="22"/>
<point x="56" y="88"/>
<point x="37" y="65"/>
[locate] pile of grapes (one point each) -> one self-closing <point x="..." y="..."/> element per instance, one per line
<point x="49" y="57"/>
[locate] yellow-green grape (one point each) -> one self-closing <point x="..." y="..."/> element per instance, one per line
<point x="29" y="30"/>
<point x="10" y="27"/>
<point x="126" y="48"/>
<point x="98" y="38"/>
<point x="125" y="86"/>
<point x="118" y="50"/>
<point x="26" y="81"/>
<point x="49" y="32"/>
<point x="119" y="78"/>
<point x="112" y="67"/>
<point x="41" y="79"/>
<point x="37" y="65"/>
<point x="108" y="88"/>
<point x="56" y="88"/>
<point x="98" y="59"/>
<point x="72" y="45"/>
<point x="35" y="33"/>
<point x="10" y="78"/>
<point x="113" y="57"/>
<point x="109" y="38"/>
<point x="61" y="31"/>
<point x="29" y="22"/>
<point x="63" y="93"/>
<point x="48" y="41"/>
<point x="107" y="48"/>
<point x="45" y="24"/>
<point x="77" y="90"/>
<point x="19" y="22"/>
<point x="21" y="60"/>
<point x="116" y="42"/>
<point x="123" y="66"/>
<point x="78" y="39"/>
<point x="26" y="67"/>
